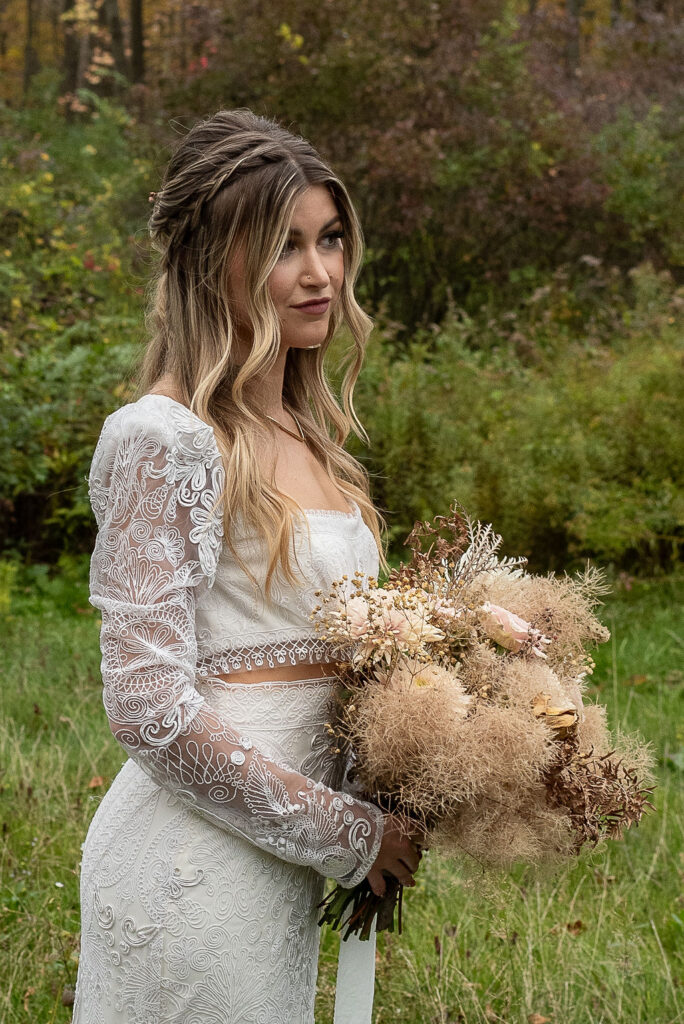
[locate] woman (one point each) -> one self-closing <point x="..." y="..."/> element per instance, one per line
<point x="223" y="509"/>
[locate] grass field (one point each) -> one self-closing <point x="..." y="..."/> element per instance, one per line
<point x="598" y="944"/>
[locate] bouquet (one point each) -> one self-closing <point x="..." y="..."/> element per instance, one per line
<point x="461" y="708"/>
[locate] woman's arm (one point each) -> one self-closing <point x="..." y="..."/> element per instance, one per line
<point x="154" y="487"/>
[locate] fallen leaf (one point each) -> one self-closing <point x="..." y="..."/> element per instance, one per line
<point x="96" y="781"/>
<point x="575" y="927"/>
<point x="536" y="1018"/>
<point x="30" y="991"/>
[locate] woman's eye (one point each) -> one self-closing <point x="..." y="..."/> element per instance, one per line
<point x="333" y="237"/>
<point x="286" y="250"/>
<point x="332" y="241"/>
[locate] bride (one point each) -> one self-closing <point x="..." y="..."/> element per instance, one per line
<point x="225" y="504"/>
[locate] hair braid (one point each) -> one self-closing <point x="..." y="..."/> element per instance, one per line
<point x="233" y="181"/>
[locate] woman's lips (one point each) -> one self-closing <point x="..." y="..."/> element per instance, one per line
<point x="314" y="308"/>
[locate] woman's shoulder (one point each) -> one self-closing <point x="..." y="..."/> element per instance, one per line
<point x="162" y="418"/>
<point x="158" y="432"/>
<point x="155" y="439"/>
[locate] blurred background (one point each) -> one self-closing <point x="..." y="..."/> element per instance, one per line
<point x="519" y="169"/>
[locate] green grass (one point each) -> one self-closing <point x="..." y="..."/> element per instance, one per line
<point x="599" y="943"/>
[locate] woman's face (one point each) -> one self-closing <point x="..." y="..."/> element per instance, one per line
<point x="310" y="267"/>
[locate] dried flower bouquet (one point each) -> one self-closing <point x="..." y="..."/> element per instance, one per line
<point x="461" y="708"/>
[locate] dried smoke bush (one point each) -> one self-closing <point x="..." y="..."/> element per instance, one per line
<point x="463" y="704"/>
<point x="523" y="680"/>
<point x="481" y="672"/>
<point x="592" y="730"/>
<point x="505" y="828"/>
<point x="631" y="749"/>
<point x="553" y="605"/>
<point x="434" y="761"/>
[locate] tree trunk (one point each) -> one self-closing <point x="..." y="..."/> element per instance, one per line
<point x="31" y="60"/>
<point x="615" y="11"/>
<point x="137" y="42"/>
<point x="71" y="73"/>
<point x="573" y="10"/>
<point x="110" y="20"/>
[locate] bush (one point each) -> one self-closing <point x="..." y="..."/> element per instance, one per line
<point x="580" y="457"/>
<point x="70" y="288"/>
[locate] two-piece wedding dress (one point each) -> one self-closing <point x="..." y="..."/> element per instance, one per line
<point x="204" y="863"/>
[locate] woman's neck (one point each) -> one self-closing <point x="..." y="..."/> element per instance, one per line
<point x="266" y="391"/>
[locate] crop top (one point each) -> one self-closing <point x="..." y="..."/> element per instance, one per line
<point x="177" y="607"/>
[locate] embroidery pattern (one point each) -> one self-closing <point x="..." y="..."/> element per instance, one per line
<point x="205" y="860"/>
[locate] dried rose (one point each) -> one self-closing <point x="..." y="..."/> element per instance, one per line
<point x="510" y="631"/>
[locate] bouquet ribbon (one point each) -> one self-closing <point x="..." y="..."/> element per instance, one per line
<point x="355" y="980"/>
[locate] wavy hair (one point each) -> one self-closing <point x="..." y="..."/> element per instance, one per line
<point x="234" y="180"/>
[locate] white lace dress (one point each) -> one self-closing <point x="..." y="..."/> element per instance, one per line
<point x="205" y="861"/>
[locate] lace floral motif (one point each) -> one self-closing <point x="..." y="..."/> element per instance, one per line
<point x="184" y="922"/>
<point x="155" y="486"/>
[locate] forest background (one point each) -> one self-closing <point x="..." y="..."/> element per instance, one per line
<point x="518" y="170"/>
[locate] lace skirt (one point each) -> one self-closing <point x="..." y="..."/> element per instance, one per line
<point x="185" y="923"/>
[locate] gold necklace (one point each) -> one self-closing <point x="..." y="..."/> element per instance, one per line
<point x="297" y="437"/>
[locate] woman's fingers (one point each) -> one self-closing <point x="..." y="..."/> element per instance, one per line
<point x="411" y="863"/>
<point x="377" y="882"/>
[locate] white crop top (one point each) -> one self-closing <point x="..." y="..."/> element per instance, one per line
<point x="176" y="607"/>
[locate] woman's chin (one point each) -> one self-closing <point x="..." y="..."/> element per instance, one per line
<point x="307" y="340"/>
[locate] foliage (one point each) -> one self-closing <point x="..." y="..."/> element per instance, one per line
<point x="597" y="942"/>
<point x="642" y="163"/>
<point x="469" y="147"/>
<point x="563" y="452"/>
<point x="476" y="146"/>
<point x="466" y="207"/>
<point x="69" y="310"/>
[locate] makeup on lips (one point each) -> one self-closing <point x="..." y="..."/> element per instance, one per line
<point x="314" y="308"/>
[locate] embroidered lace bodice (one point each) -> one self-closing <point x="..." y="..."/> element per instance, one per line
<point x="176" y="607"/>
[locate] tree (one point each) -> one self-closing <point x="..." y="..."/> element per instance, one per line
<point x="137" y="41"/>
<point x="31" y="60"/>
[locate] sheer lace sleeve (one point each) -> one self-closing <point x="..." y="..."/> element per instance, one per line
<point x="154" y="488"/>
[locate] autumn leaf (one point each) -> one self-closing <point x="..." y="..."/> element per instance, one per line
<point x="575" y="927"/>
<point x="95" y="782"/>
<point x="536" y="1018"/>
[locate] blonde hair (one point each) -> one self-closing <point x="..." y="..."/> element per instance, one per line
<point x="234" y="181"/>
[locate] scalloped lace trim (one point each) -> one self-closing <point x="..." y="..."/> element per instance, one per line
<point x="310" y="650"/>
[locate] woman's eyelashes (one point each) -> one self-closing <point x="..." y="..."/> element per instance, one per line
<point x="333" y="238"/>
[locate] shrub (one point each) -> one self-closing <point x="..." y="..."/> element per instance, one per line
<point x="581" y="457"/>
<point x="69" y="313"/>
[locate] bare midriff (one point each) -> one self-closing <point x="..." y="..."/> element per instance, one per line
<point x="285" y="674"/>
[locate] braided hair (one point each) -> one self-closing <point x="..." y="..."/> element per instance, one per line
<point x="233" y="182"/>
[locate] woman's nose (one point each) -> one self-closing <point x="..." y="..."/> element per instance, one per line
<point x="314" y="270"/>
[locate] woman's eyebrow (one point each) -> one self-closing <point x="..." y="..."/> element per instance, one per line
<point x="296" y="231"/>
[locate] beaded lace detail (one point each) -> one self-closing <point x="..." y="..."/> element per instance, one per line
<point x="154" y="486"/>
<point x="184" y="922"/>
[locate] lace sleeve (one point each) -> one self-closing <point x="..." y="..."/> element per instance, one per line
<point x="154" y="488"/>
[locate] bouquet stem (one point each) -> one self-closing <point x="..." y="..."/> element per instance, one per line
<point x="352" y="911"/>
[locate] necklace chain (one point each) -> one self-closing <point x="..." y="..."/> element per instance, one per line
<point x="297" y="437"/>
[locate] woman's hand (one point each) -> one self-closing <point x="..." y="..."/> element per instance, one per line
<point x="399" y="853"/>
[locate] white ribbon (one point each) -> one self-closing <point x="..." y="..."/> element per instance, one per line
<point x="355" y="980"/>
